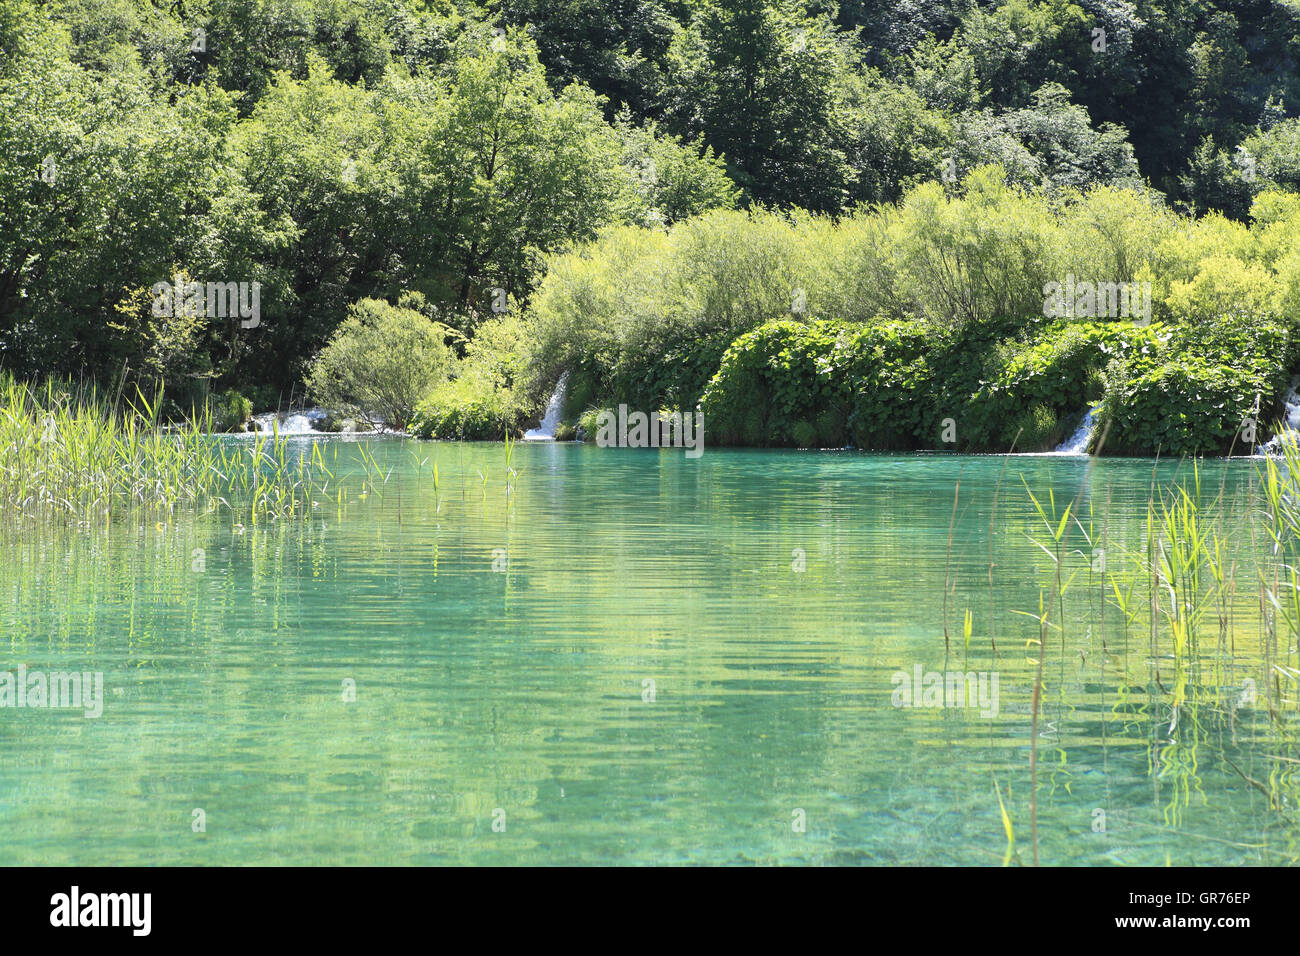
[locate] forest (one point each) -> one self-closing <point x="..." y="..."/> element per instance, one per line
<point x="795" y="215"/>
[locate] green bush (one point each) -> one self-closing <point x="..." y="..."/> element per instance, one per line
<point x="1055" y="370"/>
<point x="1185" y="406"/>
<point x="820" y="384"/>
<point x="715" y="307"/>
<point x="646" y="316"/>
<point x="1193" y="394"/>
<point x="1039" y="428"/>
<point x="468" y="409"/>
<point x="382" y="360"/>
<point x="893" y="385"/>
<point x="892" y="402"/>
<point x="782" y="384"/>
<point x="230" y="411"/>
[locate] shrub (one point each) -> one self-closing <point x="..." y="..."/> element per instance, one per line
<point x="890" y="407"/>
<point x="821" y="384"/>
<point x="891" y="385"/>
<point x="1194" y="393"/>
<point x="381" y="361"/>
<point x="1057" y="372"/>
<point x="644" y="316"/>
<point x="589" y="424"/>
<point x="715" y="309"/>
<point x="230" y="411"/>
<point x="781" y="384"/>
<point x="1185" y="406"/>
<point x="1222" y="285"/>
<point x="1039" y="429"/>
<point x="976" y="257"/>
<point x="469" y="409"/>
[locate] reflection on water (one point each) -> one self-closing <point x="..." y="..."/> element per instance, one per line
<point x="637" y="657"/>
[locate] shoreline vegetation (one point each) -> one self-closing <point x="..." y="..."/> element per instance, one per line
<point x="431" y="213"/>
<point x="941" y="338"/>
<point x="633" y="318"/>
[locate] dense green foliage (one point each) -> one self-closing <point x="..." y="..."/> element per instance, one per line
<point x="1175" y="390"/>
<point x="230" y="411"/>
<point x="467" y="408"/>
<point x="556" y="184"/>
<point x="1197" y="391"/>
<point x="329" y="151"/>
<point x="381" y="361"/>
<point x="1035" y="391"/>
<point x="787" y="383"/>
<point x="641" y="317"/>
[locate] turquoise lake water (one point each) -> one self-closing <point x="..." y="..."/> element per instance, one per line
<point x="631" y="657"/>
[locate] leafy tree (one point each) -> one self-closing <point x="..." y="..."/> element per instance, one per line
<point x="1051" y="143"/>
<point x="107" y="185"/>
<point x="494" y="166"/>
<point x="252" y="40"/>
<point x="316" y="154"/>
<point x="894" y="139"/>
<point x="670" y="180"/>
<point x="1213" y="181"/>
<point x="765" y="84"/>
<point x="619" y="48"/>
<point x="382" y="360"/>
<point x="1271" y="157"/>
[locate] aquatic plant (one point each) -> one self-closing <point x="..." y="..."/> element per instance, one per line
<point x="68" y="454"/>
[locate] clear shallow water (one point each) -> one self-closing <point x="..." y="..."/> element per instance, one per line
<point x="500" y="649"/>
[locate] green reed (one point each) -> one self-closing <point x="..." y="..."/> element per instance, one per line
<point x="1214" y="584"/>
<point x="68" y="455"/>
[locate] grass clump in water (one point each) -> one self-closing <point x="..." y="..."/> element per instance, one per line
<point x="70" y="456"/>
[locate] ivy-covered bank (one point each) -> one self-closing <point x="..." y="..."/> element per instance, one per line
<point x="898" y="386"/>
<point x="987" y="386"/>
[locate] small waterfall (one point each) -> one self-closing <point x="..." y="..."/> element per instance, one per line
<point x="546" y="430"/>
<point x="1291" y="427"/>
<point x="1077" y="444"/>
<point x="290" y="423"/>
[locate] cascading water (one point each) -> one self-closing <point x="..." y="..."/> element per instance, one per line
<point x="290" y="423"/>
<point x="1077" y="444"/>
<point x="1291" y="427"/>
<point x="551" y="420"/>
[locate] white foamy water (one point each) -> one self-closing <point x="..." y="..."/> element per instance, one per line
<point x="305" y="422"/>
<point x="1077" y="444"/>
<point x="551" y="420"/>
<point x="1290" y="426"/>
